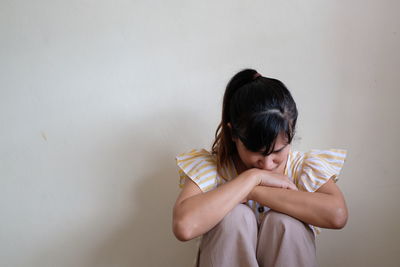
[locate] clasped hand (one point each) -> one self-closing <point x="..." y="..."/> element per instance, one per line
<point x="271" y="179"/>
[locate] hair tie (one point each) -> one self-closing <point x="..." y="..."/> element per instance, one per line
<point x="256" y="75"/>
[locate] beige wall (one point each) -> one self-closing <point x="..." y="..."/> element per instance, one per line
<point x="97" y="97"/>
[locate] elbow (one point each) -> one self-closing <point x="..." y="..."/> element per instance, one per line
<point x="182" y="231"/>
<point x="339" y="218"/>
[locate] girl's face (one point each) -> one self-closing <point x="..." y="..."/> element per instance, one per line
<point x="274" y="162"/>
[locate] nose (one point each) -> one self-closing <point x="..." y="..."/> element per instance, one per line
<point x="267" y="163"/>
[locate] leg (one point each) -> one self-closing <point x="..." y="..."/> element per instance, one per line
<point x="285" y="241"/>
<point x="232" y="242"/>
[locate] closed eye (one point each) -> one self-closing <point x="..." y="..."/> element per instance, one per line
<point x="279" y="150"/>
<point x="276" y="151"/>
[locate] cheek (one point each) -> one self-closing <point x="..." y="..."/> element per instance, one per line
<point x="282" y="158"/>
<point x="252" y="160"/>
<point x="248" y="159"/>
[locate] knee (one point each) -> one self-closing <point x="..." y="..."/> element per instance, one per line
<point x="284" y="222"/>
<point x="240" y="217"/>
<point x="285" y="241"/>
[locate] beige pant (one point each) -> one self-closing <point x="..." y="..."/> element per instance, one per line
<point x="279" y="240"/>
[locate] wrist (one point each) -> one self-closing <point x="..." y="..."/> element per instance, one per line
<point x="255" y="177"/>
<point x="250" y="195"/>
<point x="253" y="193"/>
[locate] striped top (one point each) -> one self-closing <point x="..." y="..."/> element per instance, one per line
<point x="308" y="171"/>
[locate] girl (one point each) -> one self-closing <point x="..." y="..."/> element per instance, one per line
<point x="254" y="201"/>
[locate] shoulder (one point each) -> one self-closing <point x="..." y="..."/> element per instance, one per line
<point x="200" y="166"/>
<point x="196" y="160"/>
<point x="194" y="153"/>
<point x="328" y="161"/>
<point x="313" y="168"/>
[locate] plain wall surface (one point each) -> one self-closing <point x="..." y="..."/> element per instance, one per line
<point x="97" y="98"/>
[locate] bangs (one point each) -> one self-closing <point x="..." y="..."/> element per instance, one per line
<point x="262" y="131"/>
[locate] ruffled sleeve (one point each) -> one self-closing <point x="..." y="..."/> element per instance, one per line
<point x="319" y="166"/>
<point x="199" y="166"/>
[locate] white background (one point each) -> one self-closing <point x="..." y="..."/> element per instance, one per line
<point x="97" y="98"/>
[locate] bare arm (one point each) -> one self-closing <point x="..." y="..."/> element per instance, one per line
<point x="195" y="212"/>
<point x="324" y="208"/>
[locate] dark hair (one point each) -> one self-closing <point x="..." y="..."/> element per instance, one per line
<point x="258" y="109"/>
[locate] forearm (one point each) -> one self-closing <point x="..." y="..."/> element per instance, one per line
<point x="199" y="213"/>
<point x="318" y="209"/>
